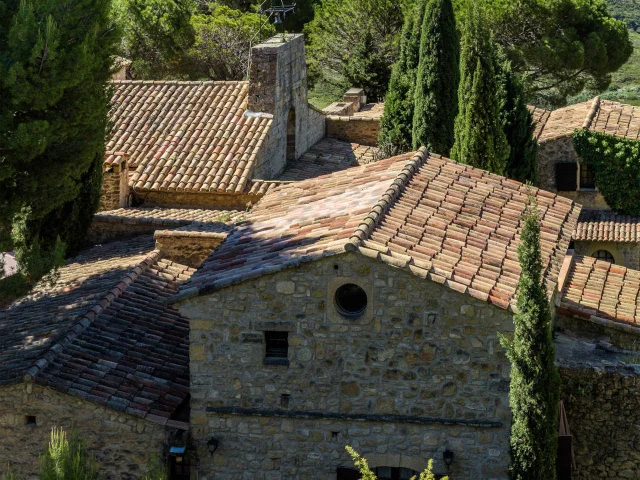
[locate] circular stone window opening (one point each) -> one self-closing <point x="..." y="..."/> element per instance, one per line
<point x="351" y="300"/>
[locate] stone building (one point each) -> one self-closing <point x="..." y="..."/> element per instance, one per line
<point x="600" y="232"/>
<point x="363" y="308"/>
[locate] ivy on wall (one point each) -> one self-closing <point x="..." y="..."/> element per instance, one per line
<point x="616" y="164"/>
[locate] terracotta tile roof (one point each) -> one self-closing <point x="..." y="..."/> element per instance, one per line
<point x="441" y="220"/>
<point x="32" y="325"/>
<point x="103" y="333"/>
<point x="606" y="226"/>
<point x="595" y="288"/>
<point x="186" y="136"/>
<point x="167" y="217"/>
<point x="540" y="117"/>
<point x="113" y="160"/>
<point x="597" y="115"/>
<point x="328" y="156"/>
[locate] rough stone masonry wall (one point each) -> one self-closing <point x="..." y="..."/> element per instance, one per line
<point x="277" y="83"/>
<point x="115" y="190"/>
<point x="362" y="130"/>
<point x="626" y="254"/>
<point x="561" y="150"/>
<point x="603" y="409"/>
<point x="420" y="351"/>
<point x="620" y="335"/>
<point x="122" y="444"/>
<point x="187" y="248"/>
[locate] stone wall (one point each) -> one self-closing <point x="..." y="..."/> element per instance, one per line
<point x="362" y="130"/>
<point x="561" y="150"/>
<point x="107" y="229"/>
<point x="220" y="201"/>
<point x="625" y="254"/>
<point x="115" y="189"/>
<point x="419" y="372"/>
<point x="603" y="410"/>
<point x="277" y="84"/>
<point x="122" y="444"/>
<point x="619" y="334"/>
<point x="187" y="248"/>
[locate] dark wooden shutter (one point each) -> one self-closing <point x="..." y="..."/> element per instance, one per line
<point x="566" y="177"/>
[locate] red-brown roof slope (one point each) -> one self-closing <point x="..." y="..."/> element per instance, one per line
<point x="599" y="289"/>
<point x="441" y="220"/>
<point x="103" y="333"/>
<point x="186" y="136"/>
<point x="540" y="116"/>
<point x="606" y="226"/>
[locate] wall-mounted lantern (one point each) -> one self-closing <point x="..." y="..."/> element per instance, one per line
<point x="447" y="456"/>
<point x="212" y="445"/>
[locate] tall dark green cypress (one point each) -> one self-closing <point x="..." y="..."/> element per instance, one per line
<point x="55" y="64"/>
<point x="535" y="381"/>
<point x="479" y="136"/>
<point x="518" y="128"/>
<point x="438" y="76"/>
<point x="396" y="124"/>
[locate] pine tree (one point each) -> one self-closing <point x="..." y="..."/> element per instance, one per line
<point x="535" y="380"/>
<point x="435" y="98"/>
<point x="479" y="137"/>
<point x="518" y="128"/>
<point x="54" y="70"/>
<point x="367" y="68"/>
<point x="396" y="124"/>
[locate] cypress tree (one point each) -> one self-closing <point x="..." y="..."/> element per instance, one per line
<point x="438" y="75"/>
<point x="535" y="381"/>
<point x="479" y="137"/>
<point x="396" y="123"/>
<point x="518" y="128"/>
<point x="55" y="64"/>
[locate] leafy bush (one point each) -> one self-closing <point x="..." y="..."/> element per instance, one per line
<point x="363" y="467"/>
<point x="66" y="458"/>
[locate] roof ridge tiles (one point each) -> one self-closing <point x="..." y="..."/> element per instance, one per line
<point x="366" y="227"/>
<point x="595" y="106"/>
<point x="92" y="312"/>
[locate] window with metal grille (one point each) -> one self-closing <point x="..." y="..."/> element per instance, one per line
<point x="603" y="255"/>
<point x="277" y="348"/>
<point x="566" y="179"/>
<point x="587" y="177"/>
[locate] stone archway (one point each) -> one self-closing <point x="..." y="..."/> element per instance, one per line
<point x="291" y="135"/>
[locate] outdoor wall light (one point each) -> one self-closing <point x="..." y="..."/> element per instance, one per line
<point x="447" y="456"/>
<point x="212" y="445"/>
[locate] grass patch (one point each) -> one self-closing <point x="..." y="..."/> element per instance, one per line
<point x="629" y="73"/>
<point x="322" y="95"/>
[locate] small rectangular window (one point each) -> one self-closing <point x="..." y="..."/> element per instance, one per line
<point x="277" y="348"/>
<point x="30" y="420"/>
<point x="566" y="180"/>
<point x="587" y="177"/>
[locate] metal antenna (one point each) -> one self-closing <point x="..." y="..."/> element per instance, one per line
<point x="276" y="10"/>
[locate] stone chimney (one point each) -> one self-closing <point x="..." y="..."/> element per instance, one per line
<point x="115" y="181"/>
<point x="357" y="97"/>
<point x="278" y="87"/>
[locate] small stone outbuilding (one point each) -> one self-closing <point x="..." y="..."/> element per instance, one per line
<point x="363" y="308"/>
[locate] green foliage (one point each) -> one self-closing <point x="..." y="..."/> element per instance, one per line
<point x="396" y="126"/>
<point x="363" y="467"/>
<point x="535" y="381"/>
<point x="66" y="458"/>
<point x="368" y="67"/>
<point x="157" y="37"/>
<point x="339" y="29"/>
<point x="222" y="41"/>
<point x="438" y="76"/>
<point x="616" y="163"/>
<point x="560" y="46"/>
<point x="518" y="128"/>
<point x="53" y="116"/>
<point x="480" y="140"/>
<point x="8" y="475"/>
<point x="627" y="11"/>
<point x="157" y="470"/>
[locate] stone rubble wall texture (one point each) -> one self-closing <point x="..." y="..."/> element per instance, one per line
<point x="603" y="410"/>
<point x="362" y="130"/>
<point x="277" y="83"/>
<point x="122" y="444"/>
<point x="186" y="248"/>
<point x="104" y="231"/>
<point x="626" y="254"/>
<point x="220" y="201"/>
<point x="420" y="349"/>
<point x="561" y="150"/>
<point x="115" y="190"/>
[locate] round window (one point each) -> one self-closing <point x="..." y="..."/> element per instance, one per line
<point x="351" y="300"/>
